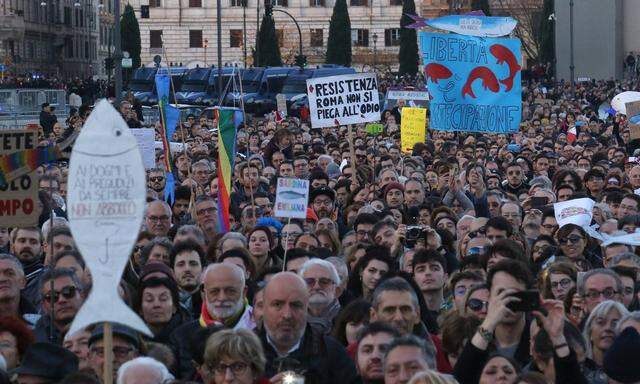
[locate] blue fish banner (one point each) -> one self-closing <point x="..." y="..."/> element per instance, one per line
<point x="474" y="82"/>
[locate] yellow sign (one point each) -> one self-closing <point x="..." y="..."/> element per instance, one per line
<point x="413" y="127"/>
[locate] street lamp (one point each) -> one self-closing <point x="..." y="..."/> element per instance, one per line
<point x="375" y="49"/>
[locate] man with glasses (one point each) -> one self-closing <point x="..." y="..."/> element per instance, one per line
<point x="323" y="283"/>
<point x="323" y="201"/>
<point x="158" y="218"/>
<point x="598" y="285"/>
<point x="363" y="227"/>
<point x="126" y="347"/>
<point x="512" y="211"/>
<point x="61" y="300"/>
<point x="207" y="215"/>
<point x="515" y="183"/>
<point x="156" y="181"/>
<point x="301" y="167"/>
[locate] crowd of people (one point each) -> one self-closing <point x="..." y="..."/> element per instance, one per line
<point x="443" y="265"/>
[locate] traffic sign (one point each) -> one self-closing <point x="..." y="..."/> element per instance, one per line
<point x="127" y="63"/>
<point x="3" y="67"/>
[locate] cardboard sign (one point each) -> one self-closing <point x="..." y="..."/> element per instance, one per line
<point x="343" y="100"/>
<point x="633" y="114"/>
<point x="412" y="127"/>
<point x="146" y="138"/>
<point x="374" y="129"/>
<point x="292" y="196"/>
<point x="19" y="198"/>
<point x="281" y="102"/>
<point x="474" y="82"/>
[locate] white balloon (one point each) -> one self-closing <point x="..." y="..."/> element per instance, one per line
<point x="618" y="102"/>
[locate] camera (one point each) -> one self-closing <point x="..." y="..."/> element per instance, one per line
<point x="414" y="233"/>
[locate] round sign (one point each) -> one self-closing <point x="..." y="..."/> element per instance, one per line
<point x="125" y="54"/>
<point x="157" y="59"/>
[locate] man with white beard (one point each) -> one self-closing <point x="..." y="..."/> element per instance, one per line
<point x="323" y="283"/>
<point x="224" y="303"/>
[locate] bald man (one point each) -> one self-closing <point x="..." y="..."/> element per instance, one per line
<point x="224" y="304"/>
<point x="158" y="218"/>
<point x="286" y="334"/>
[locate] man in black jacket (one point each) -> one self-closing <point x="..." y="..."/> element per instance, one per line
<point x="291" y="344"/>
<point x="47" y="119"/>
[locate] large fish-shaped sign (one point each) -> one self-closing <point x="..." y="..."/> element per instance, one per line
<point x="106" y="203"/>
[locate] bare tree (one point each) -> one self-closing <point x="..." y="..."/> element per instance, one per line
<point x="529" y="28"/>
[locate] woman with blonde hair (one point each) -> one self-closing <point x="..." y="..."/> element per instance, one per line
<point x="235" y="355"/>
<point x="432" y="377"/>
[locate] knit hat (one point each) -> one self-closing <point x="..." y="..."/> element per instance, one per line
<point x="616" y="361"/>
<point x="156" y="267"/>
<point x="391" y="186"/>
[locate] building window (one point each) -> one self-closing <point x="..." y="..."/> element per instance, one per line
<point x="235" y="38"/>
<point x="195" y="38"/>
<point x="392" y="37"/>
<point x="316" y="3"/>
<point x="144" y="11"/>
<point x="155" y="39"/>
<point x="360" y="37"/>
<point x="195" y="3"/>
<point x="280" y="3"/>
<point x="239" y="3"/>
<point x="317" y="38"/>
<point x="359" y="3"/>
<point x="154" y="4"/>
<point x="395" y="2"/>
<point x="280" y="37"/>
<point x="68" y="43"/>
<point x="67" y="16"/>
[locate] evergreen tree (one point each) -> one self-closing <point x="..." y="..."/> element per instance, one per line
<point x="408" y="55"/>
<point x="481" y="5"/>
<point x="547" y="52"/>
<point x="130" y="35"/>
<point x="267" y="48"/>
<point x="339" y="44"/>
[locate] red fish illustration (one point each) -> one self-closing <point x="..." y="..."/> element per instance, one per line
<point x="489" y="81"/>
<point x="436" y="72"/>
<point x="504" y="55"/>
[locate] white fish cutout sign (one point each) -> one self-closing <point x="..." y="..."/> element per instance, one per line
<point x="106" y="201"/>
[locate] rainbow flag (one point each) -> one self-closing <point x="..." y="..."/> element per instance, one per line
<point x="169" y="117"/>
<point x="229" y="119"/>
<point x="20" y="163"/>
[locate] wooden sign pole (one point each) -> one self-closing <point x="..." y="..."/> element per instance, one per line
<point x="107" y="344"/>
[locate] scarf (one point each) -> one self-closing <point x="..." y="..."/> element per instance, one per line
<point x="206" y="319"/>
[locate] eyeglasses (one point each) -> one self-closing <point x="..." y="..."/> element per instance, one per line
<point x="137" y="248"/>
<point x="477" y="305"/>
<point x="158" y="218"/>
<point x="564" y="283"/>
<point x="574" y="239"/>
<point x="118" y="352"/>
<point x="326" y="203"/>
<point x="157" y="179"/>
<point x="237" y="368"/>
<point x="323" y="282"/>
<point x="204" y="211"/>
<point x="68" y="292"/>
<point x="607" y="293"/>
<point x="516" y="173"/>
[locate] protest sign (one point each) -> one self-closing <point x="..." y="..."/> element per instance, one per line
<point x="281" y="102"/>
<point x="146" y="144"/>
<point x="411" y="98"/>
<point x="576" y="211"/>
<point x="474" y="82"/>
<point x="292" y="196"/>
<point x="106" y="201"/>
<point x="343" y="100"/>
<point x="374" y="129"/>
<point x="412" y="127"/>
<point x="633" y="115"/>
<point x="469" y="24"/>
<point x="19" y="196"/>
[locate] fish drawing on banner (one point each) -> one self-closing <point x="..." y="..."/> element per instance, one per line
<point x="474" y="83"/>
<point x="106" y="200"/>
<point x="471" y="24"/>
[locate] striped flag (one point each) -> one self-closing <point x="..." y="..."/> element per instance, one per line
<point x="229" y="119"/>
